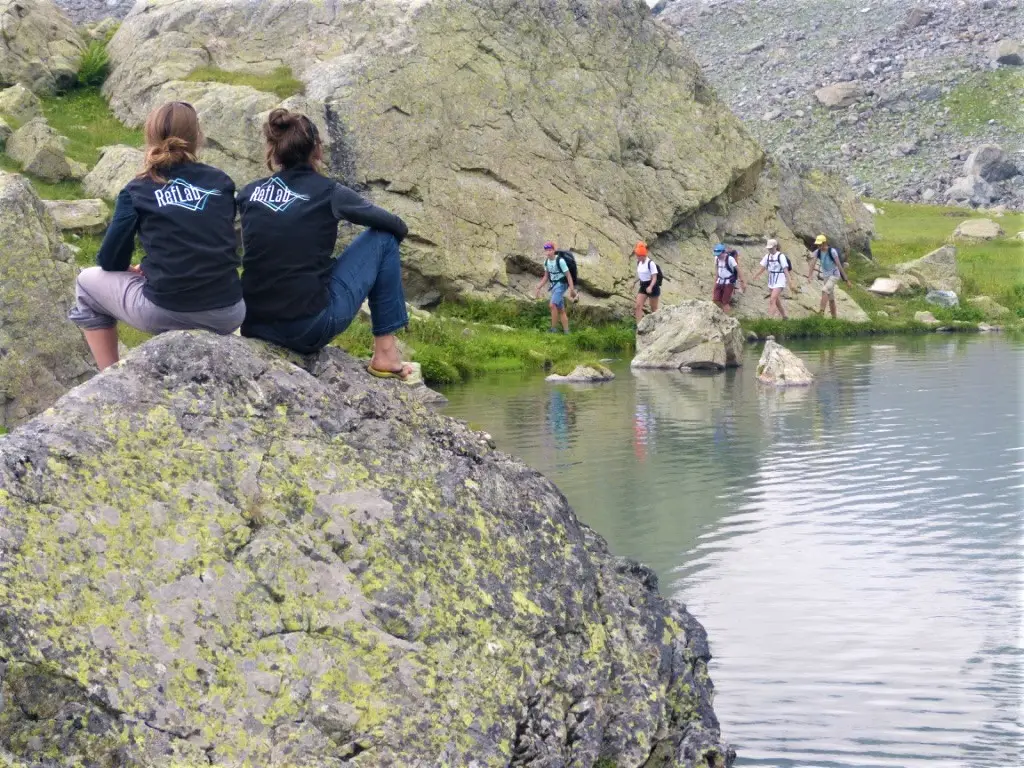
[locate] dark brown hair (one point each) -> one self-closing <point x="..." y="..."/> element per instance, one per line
<point x="172" y="137"/>
<point x="292" y="139"/>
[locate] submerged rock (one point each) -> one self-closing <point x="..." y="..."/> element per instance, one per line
<point x="583" y="374"/>
<point x="42" y="355"/>
<point x="781" y="368"/>
<point x="693" y="334"/>
<point x="211" y="556"/>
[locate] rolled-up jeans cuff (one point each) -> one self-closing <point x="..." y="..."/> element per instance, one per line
<point x="90" y="321"/>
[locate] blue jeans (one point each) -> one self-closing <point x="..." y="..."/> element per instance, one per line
<point x="368" y="268"/>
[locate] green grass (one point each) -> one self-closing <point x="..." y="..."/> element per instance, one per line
<point x="95" y="65"/>
<point x="280" y="82"/>
<point x="994" y="95"/>
<point x="452" y="349"/>
<point x="84" y="117"/>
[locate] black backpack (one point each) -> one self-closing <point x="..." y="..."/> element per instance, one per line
<point x="659" y="276"/>
<point x="733" y="271"/>
<point x="570" y="262"/>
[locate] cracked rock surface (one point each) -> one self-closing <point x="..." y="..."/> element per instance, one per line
<point x="210" y="555"/>
<point x="490" y="126"/>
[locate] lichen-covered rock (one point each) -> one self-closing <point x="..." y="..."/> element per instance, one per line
<point x="209" y="556"/>
<point x="5" y="133"/>
<point x="978" y="229"/>
<point x="989" y="306"/>
<point x="925" y="317"/>
<point x="20" y="104"/>
<point x="39" y="47"/>
<point x="488" y="125"/>
<point x="41" y="354"/>
<point x="41" y="152"/>
<point x="781" y="368"/>
<point x="937" y="270"/>
<point x="87" y="217"/>
<point x="583" y="374"/>
<point x="692" y="334"/>
<point x="117" y="166"/>
<point x="990" y="162"/>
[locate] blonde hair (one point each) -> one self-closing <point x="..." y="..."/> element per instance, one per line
<point x="172" y="137"/>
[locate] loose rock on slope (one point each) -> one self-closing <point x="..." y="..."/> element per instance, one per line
<point x="210" y="556"/>
<point x="41" y="354"/>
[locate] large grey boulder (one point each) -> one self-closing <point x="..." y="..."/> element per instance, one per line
<point x="117" y="166"/>
<point x="41" y="354"/>
<point x="973" y="190"/>
<point x="1008" y="52"/>
<point x="582" y="374"/>
<point x="521" y="159"/>
<point x="937" y="270"/>
<point x="20" y="104"/>
<point x="86" y="217"/>
<point x="781" y="368"/>
<point x="39" y="47"/>
<point x="840" y="95"/>
<point x="40" y="151"/>
<point x="991" y="163"/>
<point x="214" y="556"/>
<point x="693" y="334"/>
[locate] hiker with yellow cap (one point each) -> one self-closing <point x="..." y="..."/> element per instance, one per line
<point x="830" y="270"/>
<point x="650" y="277"/>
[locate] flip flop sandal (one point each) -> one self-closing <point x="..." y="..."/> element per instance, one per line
<point x="389" y="374"/>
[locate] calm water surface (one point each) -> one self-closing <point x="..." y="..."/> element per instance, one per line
<point x="854" y="549"/>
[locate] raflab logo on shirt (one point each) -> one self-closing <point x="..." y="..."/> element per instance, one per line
<point x="275" y="195"/>
<point x="182" y="194"/>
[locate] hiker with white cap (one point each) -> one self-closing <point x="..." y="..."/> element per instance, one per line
<point x="830" y="270"/>
<point x="778" y="267"/>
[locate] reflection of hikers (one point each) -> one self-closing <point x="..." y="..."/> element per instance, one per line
<point x="727" y="272"/>
<point x="650" y="282"/>
<point x="557" y="271"/>
<point x="831" y="270"/>
<point x="777" y="264"/>
<point x="561" y="419"/>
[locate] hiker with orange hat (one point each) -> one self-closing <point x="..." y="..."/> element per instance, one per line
<point x="830" y="269"/>
<point x="650" y="281"/>
<point x="558" y="273"/>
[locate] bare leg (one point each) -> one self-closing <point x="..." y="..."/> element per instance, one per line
<point x="654" y="303"/>
<point x="554" y="316"/>
<point x="824" y="301"/>
<point x="103" y="345"/>
<point x="638" y="307"/>
<point x="386" y="356"/>
<point x="831" y="305"/>
<point x="565" y="320"/>
<point x="777" y="293"/>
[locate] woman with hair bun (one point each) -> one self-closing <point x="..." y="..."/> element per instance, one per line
<point x="297" y="293"/>
<point x="184" y="213"/>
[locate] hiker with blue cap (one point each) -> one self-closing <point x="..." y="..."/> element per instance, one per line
<point x="727" y="274"/>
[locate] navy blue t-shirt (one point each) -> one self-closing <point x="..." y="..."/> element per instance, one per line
<point x="186" y="226"/>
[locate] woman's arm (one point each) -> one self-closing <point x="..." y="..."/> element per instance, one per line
<point x="115" y="254"/>
<point x="348" y="205"/>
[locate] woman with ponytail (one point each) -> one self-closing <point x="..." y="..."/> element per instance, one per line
<point x="183" y="213"/>
<point x="297" y="293"/>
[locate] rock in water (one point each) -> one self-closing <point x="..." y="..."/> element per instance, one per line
<point x="583" y="374"/>
<point x="209" y="556"/>
<point x="42" y="355"/>
<point x="117" y="166"/>
<point x="781" y="368"/>
<point x="936" y="271"/>
<point x="693" y="334"/>
<point x="39" y="47"/>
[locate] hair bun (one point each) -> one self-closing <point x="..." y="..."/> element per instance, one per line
<point x="281" y="119"/>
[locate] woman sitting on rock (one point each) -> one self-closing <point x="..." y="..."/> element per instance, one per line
<point x="183" y="212"/>
<point x="297" y="294"/>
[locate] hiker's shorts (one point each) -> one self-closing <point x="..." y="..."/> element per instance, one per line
<point x="829" y="286"/>
<point x="723" y="293"/>
<point x="104" y="298"/>
<point x="558" y="294"/>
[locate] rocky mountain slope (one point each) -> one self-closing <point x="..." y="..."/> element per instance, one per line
<point x="212" y="556"/>
<point x="914" y="85"/>
<point x="491" y="127"/>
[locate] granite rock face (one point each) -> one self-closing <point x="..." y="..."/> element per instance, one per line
<point x="210" y="555"/>
<point x="490" y="126"/>
<point x="39" y="48"/>
<point x="42" y="355"/>
<point x="117" y="166"/>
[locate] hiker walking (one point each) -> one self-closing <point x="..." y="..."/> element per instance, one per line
<point x="727" y="273"/>
<point x="558" y="274"/>
<point x="830" y="270"/>
<point x="778" y="267"/>
<point x="650" y="278"/>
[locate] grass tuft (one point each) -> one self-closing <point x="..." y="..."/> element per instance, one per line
<point x="95" y="65"/>
<point x="84" y="117"/>
<point x="993" y="95"/>
<point x="280" y="82"/>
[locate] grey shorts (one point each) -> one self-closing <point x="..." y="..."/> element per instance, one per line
<point x="104" y="298"/>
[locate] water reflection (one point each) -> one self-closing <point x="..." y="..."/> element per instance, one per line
<point x="854" y="548"/>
